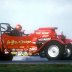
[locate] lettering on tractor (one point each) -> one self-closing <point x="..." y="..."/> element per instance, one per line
<point x="13" y="42"/>
<point x="44" y="42"/>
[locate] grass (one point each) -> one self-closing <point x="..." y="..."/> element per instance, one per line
<point x="35" y="68"/>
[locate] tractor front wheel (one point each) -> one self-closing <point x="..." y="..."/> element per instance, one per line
<point x="68" y="52"/>
<point x="54" y="50"/>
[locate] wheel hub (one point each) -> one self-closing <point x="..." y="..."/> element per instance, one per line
<point x="53" y="51"/>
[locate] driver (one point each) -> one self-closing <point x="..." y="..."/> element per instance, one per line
<point x="17" y="31"/>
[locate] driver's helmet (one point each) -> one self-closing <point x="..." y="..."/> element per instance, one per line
<point x="18" y="27"/>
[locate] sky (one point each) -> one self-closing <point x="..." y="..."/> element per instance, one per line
<point x="33" y="14"/>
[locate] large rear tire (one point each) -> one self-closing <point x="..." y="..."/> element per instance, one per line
<point x="5" y="57"/>
<point x="8" y="57"/>
<point x="54" y="50"/>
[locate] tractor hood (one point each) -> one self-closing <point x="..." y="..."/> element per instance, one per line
<point x="67" y="41"/>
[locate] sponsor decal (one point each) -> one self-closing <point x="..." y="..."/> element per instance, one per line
<point x="13" y="42"/>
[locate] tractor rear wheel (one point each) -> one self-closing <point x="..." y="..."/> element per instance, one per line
<point x="54" y="50"/>
<point x="8" y="57"/>
<point x="5" y="57"/>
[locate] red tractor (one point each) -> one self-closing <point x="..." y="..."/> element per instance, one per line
<point x="44" y="42"/>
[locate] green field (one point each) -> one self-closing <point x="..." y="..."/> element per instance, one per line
<point x="35" y="68"/>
